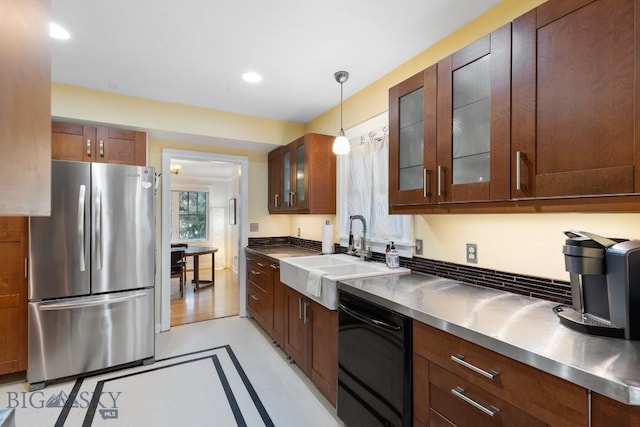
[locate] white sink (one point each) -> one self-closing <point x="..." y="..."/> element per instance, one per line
<point x="294" y="272"/>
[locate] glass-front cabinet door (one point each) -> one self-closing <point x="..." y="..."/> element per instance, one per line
<point x="412" y="139"/>
<point x="300" y="194"/>
<point x="287" y="195"/>
<point x="474" y="121"/>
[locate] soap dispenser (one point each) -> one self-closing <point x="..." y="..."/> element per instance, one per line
<point x="392" y="257"/>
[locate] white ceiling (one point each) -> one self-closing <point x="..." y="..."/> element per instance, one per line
<point x="194" y="51"/>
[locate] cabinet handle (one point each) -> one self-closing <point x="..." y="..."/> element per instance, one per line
<point x="255" y="272"/>
<point x="425" y="183"/>
<point x="260" y="264"/>
<point x="492" y="411"/>
<point x="440" y="191"/>
<point x="491" y="374"/>
<point x="519" y="158"/>
<point x="274" y="266"/>
<point x="101" y="145"/>
<point x="26" y="268"/>
<point x="293" y="198"/>
<point x="88" y="147"/>
<point x="305" y="319"/>
<point x="255" y="298"/>
<point x="276" y="199"/>
<point x="299" y="308"/>
<point x="249" y="259"/>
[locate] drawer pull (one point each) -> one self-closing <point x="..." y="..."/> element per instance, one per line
<point x="260" y="264"/>
<point x="458" y="358"/>
<point x="255" y="272"/>
<point x="255" y="298"/>
<point x="458" y="392"/>
<point x="274" y="266"/>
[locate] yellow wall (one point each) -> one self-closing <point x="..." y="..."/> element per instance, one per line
<point x="78" y="103"/>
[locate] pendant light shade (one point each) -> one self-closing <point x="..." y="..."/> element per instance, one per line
<point x="341" y="144"/>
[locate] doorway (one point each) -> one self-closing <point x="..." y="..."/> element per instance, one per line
<point x="224" y="180"/>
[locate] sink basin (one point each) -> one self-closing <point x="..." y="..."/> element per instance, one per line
<point x="294" y="272"/>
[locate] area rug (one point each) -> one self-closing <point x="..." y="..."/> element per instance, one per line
<point x="203" y="388"/>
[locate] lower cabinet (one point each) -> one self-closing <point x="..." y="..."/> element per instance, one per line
<point x="13" y="294"/>
<point x="278" y="307"/>
<point x="304" y="329"/>
<point x="311" y="340"/>
<point x="458" y="383"/>
<point x="608" y="412"/>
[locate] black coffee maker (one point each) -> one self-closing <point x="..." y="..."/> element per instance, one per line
<point x="605" y="285"/>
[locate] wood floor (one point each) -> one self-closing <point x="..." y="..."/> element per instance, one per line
<point x="219" y="300"/>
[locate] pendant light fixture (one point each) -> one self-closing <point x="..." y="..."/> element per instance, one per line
<point x="341" y="144"/>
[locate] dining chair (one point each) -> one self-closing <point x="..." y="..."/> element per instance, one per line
<point x="178" y="268"/>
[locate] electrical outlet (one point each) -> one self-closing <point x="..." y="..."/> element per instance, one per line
<point x="418" y="246"/>
<point x="472" y="253"/>
<point x="298" y="231"/>
<point x="254" y="227"/>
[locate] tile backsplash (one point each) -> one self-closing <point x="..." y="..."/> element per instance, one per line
<point x="538" y="287"/>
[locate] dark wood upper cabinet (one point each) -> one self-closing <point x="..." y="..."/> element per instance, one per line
<point x="73" y="141"/>
<point x="574" y="99"/>
<point x="302" y="176"/>
<point x="412" y="139"/>
<point x="541" y="115"/>
<point x="474" y="121"/>
<point x="450" y="127"/>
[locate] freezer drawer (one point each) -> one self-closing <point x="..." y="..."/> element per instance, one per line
<point x="73" y="336"/>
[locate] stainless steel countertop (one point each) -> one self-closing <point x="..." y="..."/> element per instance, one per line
<point x="282" y="251"/>
<point x="523" y="328"/>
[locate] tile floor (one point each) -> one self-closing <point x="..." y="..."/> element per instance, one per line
<point x="287" y="395"/>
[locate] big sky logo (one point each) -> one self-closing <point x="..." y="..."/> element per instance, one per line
<point x="107" y="403"/>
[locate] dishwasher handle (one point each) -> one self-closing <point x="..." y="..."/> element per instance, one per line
<point x="369" y="321"/>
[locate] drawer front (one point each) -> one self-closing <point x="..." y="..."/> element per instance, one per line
<point x="464" y="403"/>
<point x="260" y="272"/>
<point x="260" y="305"/>
<point x="546" y="397"/>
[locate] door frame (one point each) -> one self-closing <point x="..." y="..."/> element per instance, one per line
<point x="165" y="232"/>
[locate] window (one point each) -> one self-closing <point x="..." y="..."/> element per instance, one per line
<point x="192" y="215"/>
<point x="364" y="176"/>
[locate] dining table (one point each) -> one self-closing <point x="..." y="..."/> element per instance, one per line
<point x="196" y="252"/>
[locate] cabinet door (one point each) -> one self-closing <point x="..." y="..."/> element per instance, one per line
<point x="287" y="170"/>
<point x="72" y="141"/>
<point x="412" y="139"/>
<point x="25" y="108"/>
<point x="474" y="119"/>
<point x="275" y="177"/>
<point x="121" y="146"/>
<point x="324" y="348"/>
<point x="300" y="176"/>
<point x="574" y="96"/>
<point x="13" y="294"/>
<point x="608" y="412"/>
<point x="297" y="330"/>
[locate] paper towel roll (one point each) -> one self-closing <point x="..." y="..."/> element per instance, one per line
<point x="327" y="239"/>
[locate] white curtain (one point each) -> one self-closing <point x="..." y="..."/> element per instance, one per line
<point x="365" y="170"/>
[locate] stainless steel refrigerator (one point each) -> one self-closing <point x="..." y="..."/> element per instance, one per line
<point x="91" y="272"/>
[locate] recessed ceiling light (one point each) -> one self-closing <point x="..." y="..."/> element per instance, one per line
<point x="57" y="32"/>
<point x="252" y="77"/>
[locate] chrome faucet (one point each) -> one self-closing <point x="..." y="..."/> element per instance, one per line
<point x="362" y="252"/>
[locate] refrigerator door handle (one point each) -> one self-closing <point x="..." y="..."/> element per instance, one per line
<point x="98" y="226"/>
<point x="81" y="227"/>
<point x="69" y="305"/>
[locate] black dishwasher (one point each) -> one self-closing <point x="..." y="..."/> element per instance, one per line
<point x="374" y="364"/>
